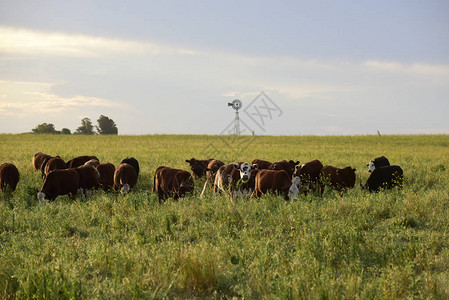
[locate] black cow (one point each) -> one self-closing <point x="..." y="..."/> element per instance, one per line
<point x="385" y="177"/>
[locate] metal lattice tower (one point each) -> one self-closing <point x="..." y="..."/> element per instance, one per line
<point x="236" y="105"/>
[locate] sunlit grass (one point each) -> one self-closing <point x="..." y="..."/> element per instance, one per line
<point x="393" y="244"/>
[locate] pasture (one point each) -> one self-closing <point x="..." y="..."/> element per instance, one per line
<point x="389" y="245"/>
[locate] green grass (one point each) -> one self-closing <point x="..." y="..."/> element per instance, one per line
<point x="389" y="245"/>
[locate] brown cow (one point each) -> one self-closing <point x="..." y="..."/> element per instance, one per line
<point x="339" y="179"/>
<point x="309" y="173"/>
<point x="275" y="181"/>
<point x="198" y="167"/>
<point x="54" y="163"/>
<point x="79" y="161"/>
<point x="9" y="176"/>
<point x="169" y="182"/>
<point x="59" y="182"/>
<point x="89" y="176"/>
<point x="287" y="166"/>
<point x="261" y="164"/>
<point x="106" y="180"/>
<point x="38" y="159"/>
<point x="211" y="171"/>
<point x="125" y="178"/>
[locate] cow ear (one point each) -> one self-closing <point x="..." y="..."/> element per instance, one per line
<point x="254" y="166"/>
<point x="297" y="162"/>
<point x="236" y="166"/>
<point x="354" y="170"/>
<point x="207" y="169"/>
<point x="188" y="161"/>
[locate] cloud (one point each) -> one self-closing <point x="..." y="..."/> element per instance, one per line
<point x="32" y="42"/>
<point x="31" y="98"/>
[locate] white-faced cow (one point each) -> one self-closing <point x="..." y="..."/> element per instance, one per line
<point x="339" y="179"/>
<point x="237" y="178"/>
<point x="277" y="182"/>
<point x="125" y="178"/>
<point x="106" y="180"/>
<point x="198" y="167"/>
<point x="59" y="182"/>
<point x="385" y="177"/>
<point x="378" y="162"/>
<point x="9" y="177"/>
<point x="169" y="182"/>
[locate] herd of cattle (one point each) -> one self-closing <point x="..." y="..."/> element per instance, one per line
<point x="287" y="178"/>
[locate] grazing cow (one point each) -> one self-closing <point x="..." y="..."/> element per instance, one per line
<point x="239" y="177"/>
<point x="385" y="177"/>
<point x="38" y="159"/>
<point x="133" y="162"/>
<point x="45" y="162"/>
<point x="339" y="179"/>
<point x="125" y="178"/>
<point x="59" y="182"/>
<point x="169" y="182"/>
<point x="79" y="161"/>
<point x="9" y="176"/>
<point x="53" y="163"/>
<point x="198" y="167"/>
<point x="275" y="181"/>
<point x="211" y="171"/>
<point x="309" y="173"/>
<point x="261" y="164"/>
<point x="88" y="179"/>
<point x="287" y="166"/>
<point x="378" y="162"/>
<point x="106" y="180"/>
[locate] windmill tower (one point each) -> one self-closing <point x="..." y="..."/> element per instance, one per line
<point x="236" y="105"/>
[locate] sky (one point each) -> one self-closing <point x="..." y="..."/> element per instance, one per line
<point x="171" y="67"/>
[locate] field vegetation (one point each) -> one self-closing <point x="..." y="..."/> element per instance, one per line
<point x="356" y="245"/>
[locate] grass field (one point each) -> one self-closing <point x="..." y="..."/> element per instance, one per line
<point x="389" y="245"/>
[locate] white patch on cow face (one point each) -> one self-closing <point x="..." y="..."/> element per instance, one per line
<point x="245" y="171"/>
<point x="371" y="166"/>
<point x="125" y="189"/>
<point x="41" y="197"/>
<point x="294" y="188"/>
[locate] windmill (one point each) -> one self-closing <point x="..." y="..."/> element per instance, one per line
<point x="236" y="105"/>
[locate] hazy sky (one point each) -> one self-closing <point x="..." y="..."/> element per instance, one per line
<point x="324" y="67"/>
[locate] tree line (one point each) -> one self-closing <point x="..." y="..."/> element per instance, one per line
<point x="105" y="126"/>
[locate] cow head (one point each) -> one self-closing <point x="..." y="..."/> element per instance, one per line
<point x="294" y="188"/>
<point x="292" y="165"/>
<point x="371" y="166"/>
<point x="245" y="170"/>
<point x="348" y="176"/>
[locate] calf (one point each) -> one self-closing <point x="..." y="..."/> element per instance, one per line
<point x="133" y="162"/>
<point x="275" y="181"/>
<point x="53" y="163"/>
<point x="125" y="178"/>
<point x="287" y="166"/>
<point x="309" y="173"/>
<point x="9" y="176"/>
<point x="106" y="180"/>
<point x="38" y="159"/>
<point x="79" y="161"/>
<point x="339" y="179"/>
<point x="385" y="177"/>
<point x="169" y="182"/>
<point x="88" y="178"/>
<point x="198" y="167"/>
<point x="243" y="179"/>
<point x="378" y="162"/>
<point x="261" y="164"/>
<point x="59" y="182"/>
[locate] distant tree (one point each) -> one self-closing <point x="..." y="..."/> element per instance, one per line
<point x="44" y="128"/>
<point x="106" y="126"/>
<point x="66" y="131"/>
<point x="86" y="127"/>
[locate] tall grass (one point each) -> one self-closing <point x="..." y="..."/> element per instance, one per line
<point x="393" y="244"/>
